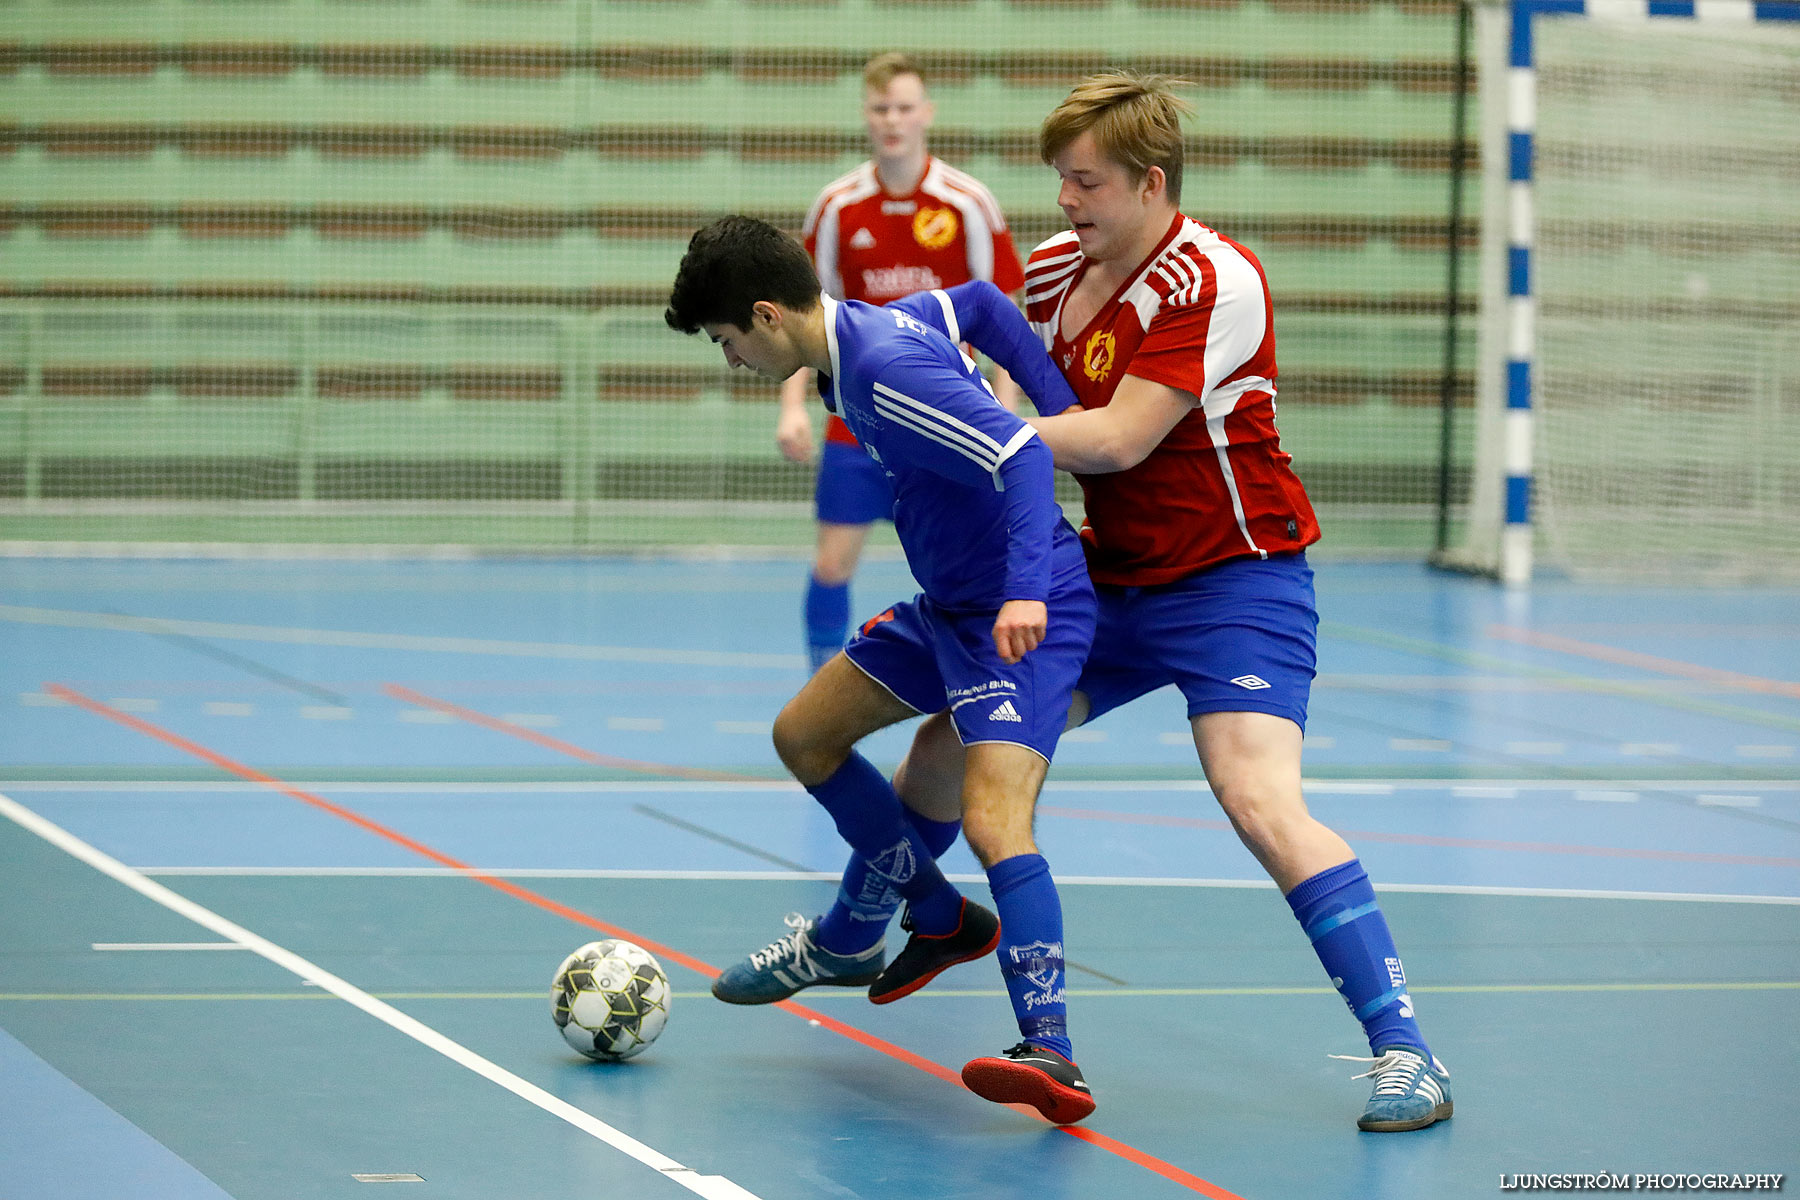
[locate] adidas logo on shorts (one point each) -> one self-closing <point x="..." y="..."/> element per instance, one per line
<point x="1005" y="711"/>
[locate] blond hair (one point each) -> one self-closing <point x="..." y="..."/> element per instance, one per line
<point x="1136" y="120"/>
<point x="883" y="69"/>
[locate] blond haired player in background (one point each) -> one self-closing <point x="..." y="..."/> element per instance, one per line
<point x="903" y="222"/>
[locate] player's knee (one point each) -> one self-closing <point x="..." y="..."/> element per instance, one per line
<point x="833" y="572"/>
<point x="929" y="779"/>
<point x="837" y="553"/>
<point x="800" y="747"/>
<point x="1265" y="816"/>
<point x="983" y="838"/>
<point x="997" y="828"/>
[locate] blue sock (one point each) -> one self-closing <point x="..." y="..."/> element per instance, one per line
<point x="866" y="902"/>
<point x="827" y="619"/>
<point x="1337" y="909"/>
<point x="1031" y="948"/>
<point x="871" y="818"/>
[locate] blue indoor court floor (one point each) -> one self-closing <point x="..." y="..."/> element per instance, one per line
<point x="292" y="848"/>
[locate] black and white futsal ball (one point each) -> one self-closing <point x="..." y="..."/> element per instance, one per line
<point x="610" y="999"/>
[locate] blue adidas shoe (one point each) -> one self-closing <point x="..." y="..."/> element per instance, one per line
<point x="1409" y="1092"/>
<point x="790" y="963"/>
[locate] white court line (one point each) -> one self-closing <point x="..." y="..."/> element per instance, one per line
<point x="168" y="946"/>
<point x="289" y="635"/>
<point x="713" y="1187"/>
<point x="1456" y="889"/>
<point x="1729" y="800"/>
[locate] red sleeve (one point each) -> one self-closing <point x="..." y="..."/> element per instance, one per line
<point x="1173" y="351"/>
<point x="1009" y="274"/>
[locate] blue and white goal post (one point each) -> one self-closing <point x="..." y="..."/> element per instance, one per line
<point x="1506" y="499"/>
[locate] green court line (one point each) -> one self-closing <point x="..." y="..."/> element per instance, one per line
<point x="1769" y="985"/>
<point x="1572" y="679"/>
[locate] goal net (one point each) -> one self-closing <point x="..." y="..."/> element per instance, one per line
<point x="1664" y="262"/>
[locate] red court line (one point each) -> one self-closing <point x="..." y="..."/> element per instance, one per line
<point x="475" y="717"/>
<point x="1646" y="662"/>
<point x="375" y="827"/>
<point x="1426" y="839"/>
<point x="898" y="1053"/>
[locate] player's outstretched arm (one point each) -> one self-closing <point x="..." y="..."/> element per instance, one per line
<point x="982" y="315"/>
<point x="1119" y="436"/>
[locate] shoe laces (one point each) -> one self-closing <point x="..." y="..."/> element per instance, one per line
<point x="1395" y="1073"/>
<point x="784" y="948"/>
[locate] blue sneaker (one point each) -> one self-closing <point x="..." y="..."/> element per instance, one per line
<point x="1409" y="1092"/>
<point x="793" y="962"/>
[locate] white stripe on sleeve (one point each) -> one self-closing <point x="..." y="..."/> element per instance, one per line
<point x="1025" y="434"/>
<point x="950" y="325"/>
<point x="939" y="426"/>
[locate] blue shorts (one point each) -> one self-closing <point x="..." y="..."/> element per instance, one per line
<point x="851" y="489"/>
<point x="1238" y="637"/>
<point x="933" y="658"/>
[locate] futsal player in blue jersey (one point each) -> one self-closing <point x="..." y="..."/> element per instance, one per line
<point x="997" y="637"/>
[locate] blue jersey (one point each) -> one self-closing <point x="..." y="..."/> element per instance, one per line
<point x="974" y="487"/>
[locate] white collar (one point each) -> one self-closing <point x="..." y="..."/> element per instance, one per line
<point x="831" y="344"/>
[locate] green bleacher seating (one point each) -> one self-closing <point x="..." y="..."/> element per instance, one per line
<point x="207" y="200"/>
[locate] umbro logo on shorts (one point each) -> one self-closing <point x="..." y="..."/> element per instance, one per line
<point x="1254" y="683"/>
<point x="1004" y="711"/>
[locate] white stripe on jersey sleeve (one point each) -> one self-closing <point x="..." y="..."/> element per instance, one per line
<point x="935" y="434"/>
<point x="1222" y="401"/>
<point x="1215" y="429"/>
<point x="858" y="185"/>
<point x="1058" y="244"/>
<point x="849" y="179"/>
<point x="939" y="426"/>
<point x="950" y="326"/>
<point x="1041" y="285"/>
<point x="1239" y="292"/>
<point x="1025" y="434"/>
<point x="1238" y="289"/>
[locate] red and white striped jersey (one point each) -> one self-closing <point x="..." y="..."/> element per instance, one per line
<point x="1195" y="316"/>
<point x="870" y="246"/>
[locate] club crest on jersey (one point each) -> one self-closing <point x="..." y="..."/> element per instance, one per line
<point x="934" y="228"/>
<point x="1097" y="357"/>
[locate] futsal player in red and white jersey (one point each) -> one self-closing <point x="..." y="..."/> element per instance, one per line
<point x="903" y="222"/>
<point x="1196" y="532"/>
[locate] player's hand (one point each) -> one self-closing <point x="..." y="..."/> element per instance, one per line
<point x="1019" y="628"/>
<point x="794" y="435"/>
